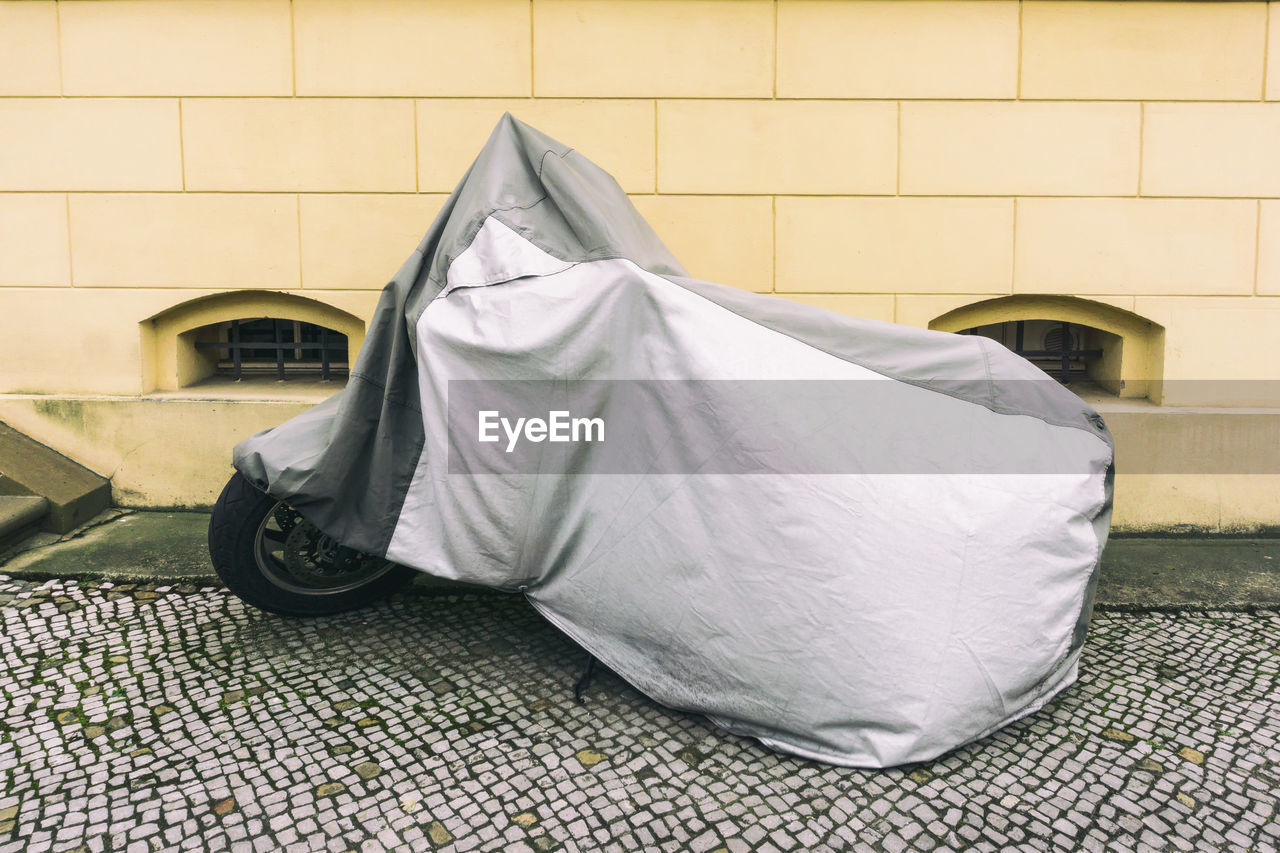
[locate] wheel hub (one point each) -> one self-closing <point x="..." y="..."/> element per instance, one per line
<point x="312" y="556"/>
<point x="303" y="558"/>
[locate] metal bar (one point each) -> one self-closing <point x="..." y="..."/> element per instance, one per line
<point x="267" y="345"/>
<point x="324" y="356"/>
<point x="275" y="325"/>
<point x="1017" y="342"/>
<point x="1057" y="353"/>
<point x="1066" y="352"/>
<point x="306" y="364"/>
<point x="328" y="355"/>
<point x="235" y="352"/>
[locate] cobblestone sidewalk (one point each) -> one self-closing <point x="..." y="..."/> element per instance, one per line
<point x="147" y="718"/>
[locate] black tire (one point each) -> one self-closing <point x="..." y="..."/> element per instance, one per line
<point x="243" y="530"/>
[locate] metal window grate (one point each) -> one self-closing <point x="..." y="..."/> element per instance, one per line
<point x="1061" y="349"/>
<point x="292" y="348"/>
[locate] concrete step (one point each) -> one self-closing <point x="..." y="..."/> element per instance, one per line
<point x="28" y="468"/>
<point x="20" y="517"/>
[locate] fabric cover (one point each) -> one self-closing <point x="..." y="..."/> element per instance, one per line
<point x="880" y="609"/>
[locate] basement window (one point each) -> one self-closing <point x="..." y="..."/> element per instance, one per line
<point x="272" y="347"/>
<point x="1069" y="352"/>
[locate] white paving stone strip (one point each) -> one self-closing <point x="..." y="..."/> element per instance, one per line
<point x="155" y="717"/>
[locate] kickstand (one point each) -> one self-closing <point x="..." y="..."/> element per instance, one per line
<point x="585" y="681"/>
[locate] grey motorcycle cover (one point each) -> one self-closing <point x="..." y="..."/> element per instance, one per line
<point x="858" y="542"/>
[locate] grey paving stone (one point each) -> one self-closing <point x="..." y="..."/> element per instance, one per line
<point x="138" y="716"/>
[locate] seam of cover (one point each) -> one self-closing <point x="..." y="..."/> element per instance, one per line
<point x="999" y="409"/>
<point x="501" y="275"/>
<point x="477" y="222"/>
<point x="393" y="399"/>
<point x="986" y="362"/>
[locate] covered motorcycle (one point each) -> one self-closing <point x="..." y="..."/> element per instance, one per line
<point x="857" y="542"/>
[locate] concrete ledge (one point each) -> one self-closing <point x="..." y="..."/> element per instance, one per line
<point x="20" y="516"/>
<point x="74" y="493"/>
<point x="161" y="451"/>
<point x="1137" y="573"/>
<point x="1153" y="440"/>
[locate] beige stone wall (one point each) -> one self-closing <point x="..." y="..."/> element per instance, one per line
<point x="890" y="159"/>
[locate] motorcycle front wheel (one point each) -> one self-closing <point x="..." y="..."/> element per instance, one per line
<point x="276" y="560"/>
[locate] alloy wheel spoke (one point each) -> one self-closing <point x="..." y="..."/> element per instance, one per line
<point x="276" y="536"/>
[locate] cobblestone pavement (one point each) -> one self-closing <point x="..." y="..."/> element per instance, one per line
<point x="148" y="718"/>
